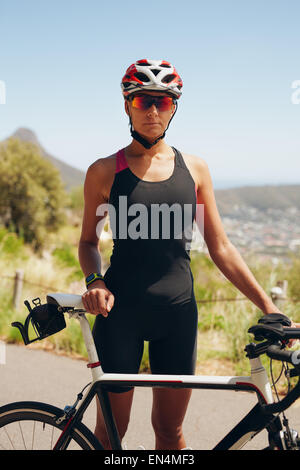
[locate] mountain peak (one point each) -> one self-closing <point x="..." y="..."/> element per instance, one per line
<point x="26" y="135"/>
<point x="70" y="175"/>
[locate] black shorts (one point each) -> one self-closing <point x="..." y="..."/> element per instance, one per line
<point x="171" y="332"/>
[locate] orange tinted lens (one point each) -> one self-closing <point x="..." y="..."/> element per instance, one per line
<point x="164" y="103"/>
<point x="143" y="102"/>
<point x="140" y="102"/>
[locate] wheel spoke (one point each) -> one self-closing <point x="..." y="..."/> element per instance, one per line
<point x="7" y="434"/>
<point x="23" y="439"/>
<point x="27" y="427"/>
<point x="33" y="434"/>
<point x="52" y="435"/>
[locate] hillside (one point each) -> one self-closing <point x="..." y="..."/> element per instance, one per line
<point x="228" y="200"/>
<point x="260" y="197"/>
<point x="70" y="175"/>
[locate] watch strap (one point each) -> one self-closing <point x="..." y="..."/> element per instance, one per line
<point x="92" y="278"/>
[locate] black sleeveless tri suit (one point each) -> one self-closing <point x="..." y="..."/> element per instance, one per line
<point x="149" y="274"/>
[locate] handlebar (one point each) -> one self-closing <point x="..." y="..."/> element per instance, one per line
<point x="292" y="333"/>
<point x="275" y="351"/>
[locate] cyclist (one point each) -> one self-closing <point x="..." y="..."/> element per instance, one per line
<point x="147" y="292"/>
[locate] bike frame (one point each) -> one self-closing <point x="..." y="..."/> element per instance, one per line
<point x="255" y="421"/>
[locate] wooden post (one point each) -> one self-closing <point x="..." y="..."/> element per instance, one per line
<point x="18" y="286"/>
<point x="279" y="293"/>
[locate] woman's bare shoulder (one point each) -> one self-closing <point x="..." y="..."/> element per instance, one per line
<point x="195" y="161"/>
<point x="198" y="168"/>
<point x="103" y="165"/>
<point x="100" y="174"/>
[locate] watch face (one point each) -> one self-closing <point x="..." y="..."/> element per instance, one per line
<point x="90" y="277"/>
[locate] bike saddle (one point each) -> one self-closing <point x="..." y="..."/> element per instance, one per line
<point x="65" y="300"/>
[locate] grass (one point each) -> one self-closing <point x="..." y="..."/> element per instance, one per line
<point x="222" y="326"/>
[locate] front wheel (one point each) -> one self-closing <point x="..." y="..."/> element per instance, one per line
<point x="34" y="426"/>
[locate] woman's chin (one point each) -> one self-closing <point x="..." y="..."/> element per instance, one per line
<point x="152" y="134"/>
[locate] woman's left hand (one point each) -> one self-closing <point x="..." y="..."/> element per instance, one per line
<point x="292" y="342"/>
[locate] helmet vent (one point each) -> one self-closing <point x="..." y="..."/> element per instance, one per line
<point x="168" y="78"/>
<point x="155" y="71"/>
<point x="142" y="77"/>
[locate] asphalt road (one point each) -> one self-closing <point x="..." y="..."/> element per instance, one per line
<point x="32" y="374"/>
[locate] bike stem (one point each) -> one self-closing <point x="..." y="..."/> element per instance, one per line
<point x="260" y="379"/>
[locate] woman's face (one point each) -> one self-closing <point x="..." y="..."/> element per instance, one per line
<point x="152" y="122"/>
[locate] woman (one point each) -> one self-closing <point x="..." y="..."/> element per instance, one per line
<point x="147" y="292"/>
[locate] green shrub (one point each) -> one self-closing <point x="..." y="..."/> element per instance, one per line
<point x="32" y="196"/>
<point x="11" y="245"/>
<point x="66" y="257"/>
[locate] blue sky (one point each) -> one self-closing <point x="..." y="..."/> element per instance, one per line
<point x="62" y="62"/>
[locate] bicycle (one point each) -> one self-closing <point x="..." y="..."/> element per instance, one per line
<point x="37" y="425"/>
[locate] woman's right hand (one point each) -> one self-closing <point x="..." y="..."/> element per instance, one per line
<point x="98" y="299"/>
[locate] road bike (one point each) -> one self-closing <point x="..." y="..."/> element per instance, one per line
<point x="40" y="426"/>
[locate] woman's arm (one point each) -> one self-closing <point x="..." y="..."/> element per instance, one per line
<point x="97" y="299"/>
<point x="222" y="251"/>
<point x="232" y="265"/>
<point x="89" y="255"/>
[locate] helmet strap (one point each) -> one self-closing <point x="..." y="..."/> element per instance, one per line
<point x="144" y="142"/>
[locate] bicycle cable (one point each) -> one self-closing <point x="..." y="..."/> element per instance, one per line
<point x="286" y="369"/>
<point x="69" y="410"/>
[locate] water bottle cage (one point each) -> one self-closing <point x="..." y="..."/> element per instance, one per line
<point x="46" y="320"/>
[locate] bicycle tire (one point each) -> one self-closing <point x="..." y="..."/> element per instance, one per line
<point x="19" y="420"/>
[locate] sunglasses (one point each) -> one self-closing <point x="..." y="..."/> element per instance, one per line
<point x="144" y="102"/>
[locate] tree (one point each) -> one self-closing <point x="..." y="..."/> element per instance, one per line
<point x="32" y="195"/>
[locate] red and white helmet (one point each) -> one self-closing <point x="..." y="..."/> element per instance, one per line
<point x="152" y="75"/>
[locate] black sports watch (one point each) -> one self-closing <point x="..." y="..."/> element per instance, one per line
<point x="93" y="277"/>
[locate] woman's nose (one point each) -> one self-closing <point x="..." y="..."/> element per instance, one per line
<point x="152" y="110"/>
